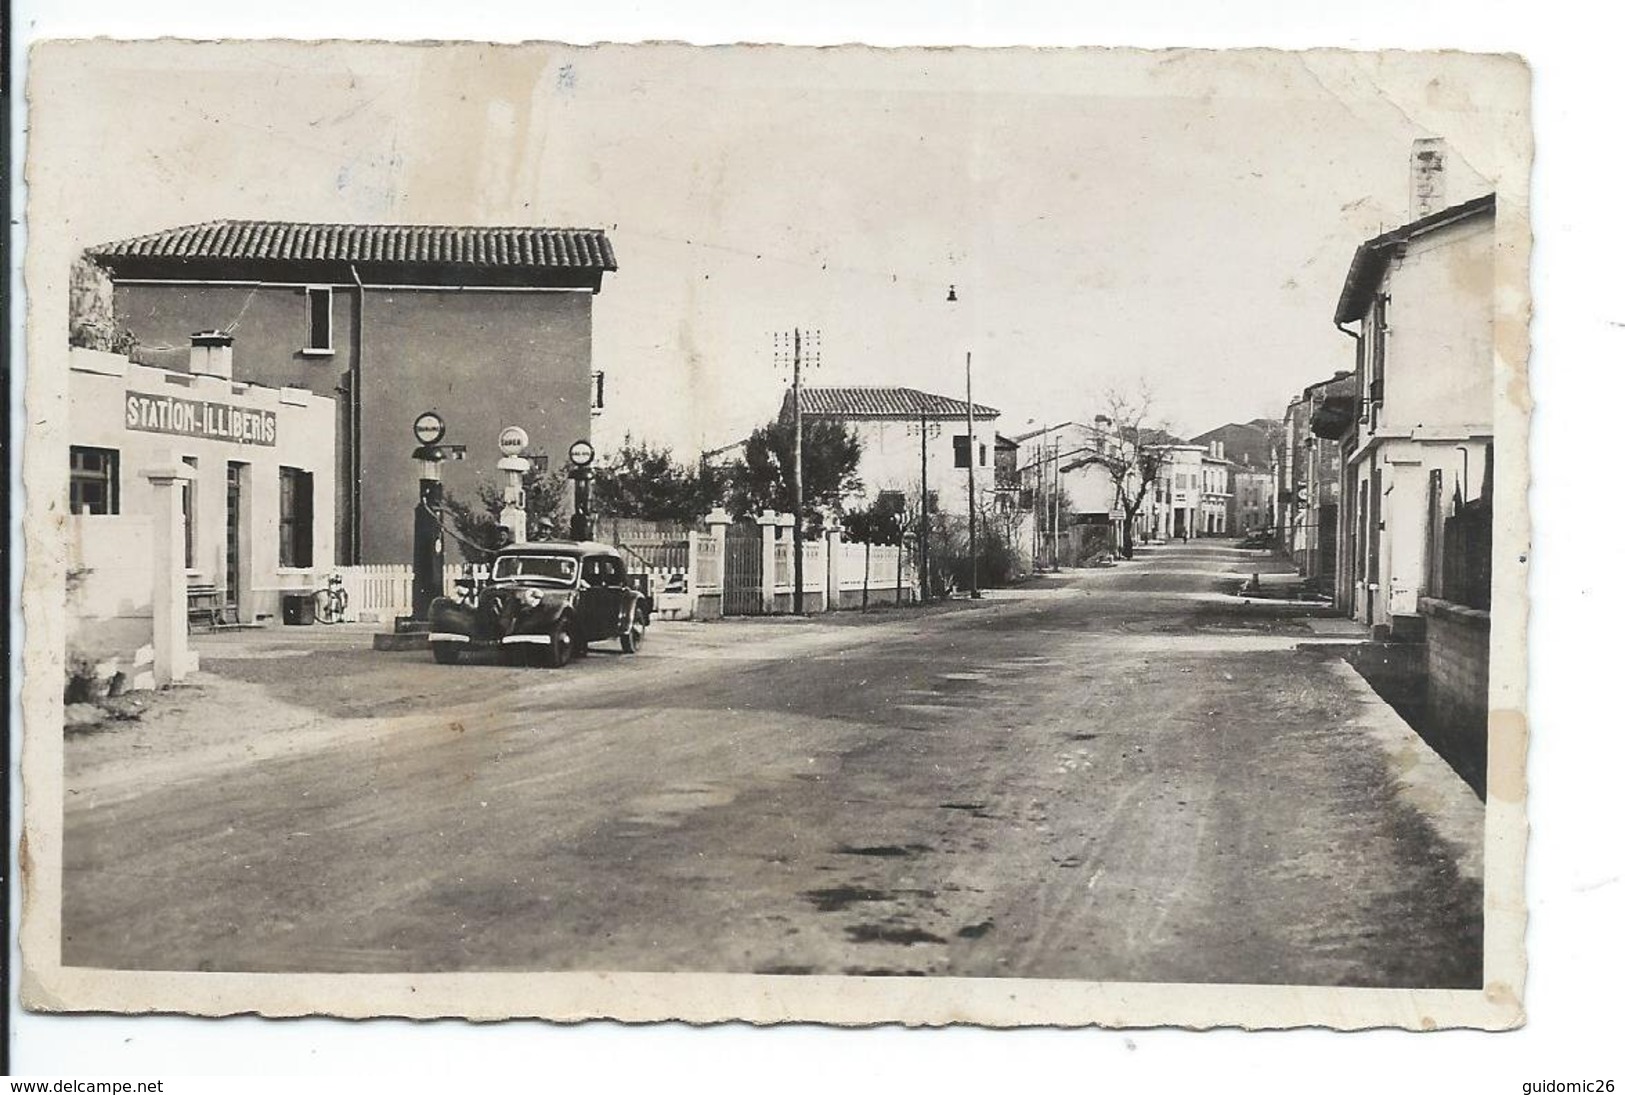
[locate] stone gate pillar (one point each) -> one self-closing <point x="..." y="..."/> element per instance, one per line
<point x="768" y="522"/>
<point x="786" y="536"/>
<point x="834" y="554"/>
<point x="716" y="525"/>
<point x="171" y="658"/>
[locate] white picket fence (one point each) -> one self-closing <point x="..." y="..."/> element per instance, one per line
<point x="379" y="592"/>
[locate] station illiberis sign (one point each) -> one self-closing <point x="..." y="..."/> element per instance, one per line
<point x="199" y="418"/>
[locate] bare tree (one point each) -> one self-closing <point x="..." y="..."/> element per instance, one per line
<point x="1133" y="451"/>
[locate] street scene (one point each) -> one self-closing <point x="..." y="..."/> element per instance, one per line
<point x="1120" y="774"/>
<point x="984" y="515"/>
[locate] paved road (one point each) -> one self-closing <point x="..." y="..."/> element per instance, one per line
<point x="1123" y="774"/>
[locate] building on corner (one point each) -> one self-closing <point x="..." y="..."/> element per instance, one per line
<point x="1416" y="429"/>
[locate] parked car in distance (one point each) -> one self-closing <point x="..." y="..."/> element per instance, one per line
<point x="545" y="601"/>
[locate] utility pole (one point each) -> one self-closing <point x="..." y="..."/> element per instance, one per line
<point x="798" y="355"/>
<point x="796" y="532"/>
<point x="1055" y="513"/>
<point x="970" y="475"/>
<point x="925" y="517"/>
<point x="1040" y="533"/>
<point x="1041" y="510"/>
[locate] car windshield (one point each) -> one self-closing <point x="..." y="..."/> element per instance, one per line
<point x="554" y="569"/>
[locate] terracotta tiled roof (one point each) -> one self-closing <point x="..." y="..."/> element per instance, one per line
<point x="878" y="402"/>
<point x="463" y="246"/>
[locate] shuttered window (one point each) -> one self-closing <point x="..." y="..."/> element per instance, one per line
<point x="319" y="314"/>
<point x="189" y="513"/>
<point x="297" y="511"/>
<point x="92" y="480"/>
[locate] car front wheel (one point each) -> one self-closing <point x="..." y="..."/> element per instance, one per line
<point x="563" y="646"/>
<point x="445" y="653"/>
<point x="632" y="637"/>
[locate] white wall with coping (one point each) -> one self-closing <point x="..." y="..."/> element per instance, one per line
<point x="109" y="621"/>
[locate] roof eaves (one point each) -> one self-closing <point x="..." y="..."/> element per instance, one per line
<point x="462" y="246"/>
<point x="1371" y="258"/>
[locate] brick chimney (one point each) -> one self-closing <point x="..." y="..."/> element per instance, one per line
<point x="1428" y="192"/>
<point x="211" y="354"/>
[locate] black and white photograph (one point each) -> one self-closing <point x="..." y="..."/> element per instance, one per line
<point x="997" y="536"/>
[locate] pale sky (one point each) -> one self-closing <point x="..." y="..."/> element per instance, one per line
<point x="1182" y="217"/>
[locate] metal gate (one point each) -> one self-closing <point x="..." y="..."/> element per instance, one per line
<point x="742" y="571"/>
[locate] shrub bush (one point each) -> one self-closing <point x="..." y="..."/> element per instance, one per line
<point x="1001" y="560"/>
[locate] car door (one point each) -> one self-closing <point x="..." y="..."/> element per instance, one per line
<point x="602" y="585"/>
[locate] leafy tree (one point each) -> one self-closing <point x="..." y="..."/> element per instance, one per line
<point x="93" y="323"/>
<point x="880" y="522"/>
<point x="762" y="478"/>
<point x="648" y="483"/>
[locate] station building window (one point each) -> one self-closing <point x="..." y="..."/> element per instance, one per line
<point x="319" y="320"/>
<point x="189" y="512"/>
<point x="92" y="480"/>
<point x="297" y="518"/>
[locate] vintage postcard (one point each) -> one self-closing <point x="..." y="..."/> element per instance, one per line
<point x="848" y="535"/>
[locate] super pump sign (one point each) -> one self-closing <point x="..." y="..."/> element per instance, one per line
<point x="198" y="418"/>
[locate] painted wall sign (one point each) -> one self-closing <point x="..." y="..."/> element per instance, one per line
<point x="198" y="418"/>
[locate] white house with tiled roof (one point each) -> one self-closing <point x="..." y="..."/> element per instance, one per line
<point x="891" y="422"/>
<point x="486" y="326"/>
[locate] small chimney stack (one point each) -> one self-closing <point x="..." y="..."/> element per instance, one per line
<point x="211" y="354"/>
<point x="1218" y="449"/>
<point x="1428" y="175"/>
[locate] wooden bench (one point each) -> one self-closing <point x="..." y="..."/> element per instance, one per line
<point x="203" y="606"/>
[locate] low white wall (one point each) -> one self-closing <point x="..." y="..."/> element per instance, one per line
<point x="109" y="600"/>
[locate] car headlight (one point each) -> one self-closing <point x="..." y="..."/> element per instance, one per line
<point x="530" y="598"/>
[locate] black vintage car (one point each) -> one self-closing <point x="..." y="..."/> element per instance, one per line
<point x="545" y="602"/>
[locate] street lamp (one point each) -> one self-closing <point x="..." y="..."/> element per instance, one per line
<point x="970" y="462"/>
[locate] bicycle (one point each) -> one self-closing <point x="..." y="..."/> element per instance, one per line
<point x="332" y="601"/>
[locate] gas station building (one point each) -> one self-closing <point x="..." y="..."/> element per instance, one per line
<point x="487" y="327"/>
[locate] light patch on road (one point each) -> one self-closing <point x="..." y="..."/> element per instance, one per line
<point x="1021" y="665"/>
<point x="251" y="653"/>
<point x="962" y="676"/>
<point x="667" y="808"/>
<point x="929" y="708"/>
<point x="1215" y="641"/>
<point x="1028" y="593"/>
